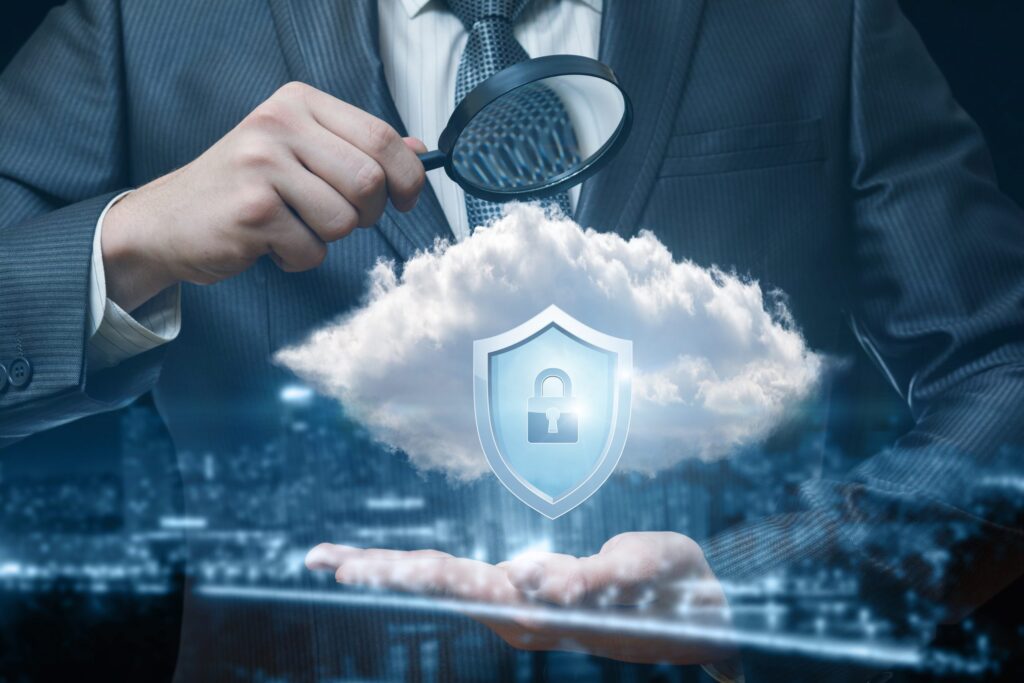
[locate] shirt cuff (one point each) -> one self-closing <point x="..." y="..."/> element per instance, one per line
<point x="114" y="335"/>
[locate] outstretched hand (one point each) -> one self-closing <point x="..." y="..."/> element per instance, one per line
<point x="614" y="604"/>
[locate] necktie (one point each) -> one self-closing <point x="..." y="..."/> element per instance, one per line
<point x="490" y="48"/>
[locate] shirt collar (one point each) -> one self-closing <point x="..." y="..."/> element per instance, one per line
<point x="414" y="7"/>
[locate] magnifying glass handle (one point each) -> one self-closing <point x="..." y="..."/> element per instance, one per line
<point x="432" y="160"/>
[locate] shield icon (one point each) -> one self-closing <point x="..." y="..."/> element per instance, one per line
<point x="552" y="400"/>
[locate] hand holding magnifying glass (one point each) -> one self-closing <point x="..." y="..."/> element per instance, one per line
<point x="300" y="172"/>
<point x="510" y="137"/>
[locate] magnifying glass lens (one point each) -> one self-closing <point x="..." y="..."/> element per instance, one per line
<point x="533" y="137"/>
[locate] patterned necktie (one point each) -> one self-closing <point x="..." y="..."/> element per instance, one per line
<point x="534" y="110"/>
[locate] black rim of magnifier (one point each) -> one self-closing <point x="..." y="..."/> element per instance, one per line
<point x="516" y="76"/>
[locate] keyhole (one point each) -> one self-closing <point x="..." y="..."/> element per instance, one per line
<point x="553" y="414"/>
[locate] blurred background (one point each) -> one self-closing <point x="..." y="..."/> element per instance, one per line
<point x="115" y="477"/>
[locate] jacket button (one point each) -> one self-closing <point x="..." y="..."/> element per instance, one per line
<point x="20" y="373"/>
<point x="3" y="378"/>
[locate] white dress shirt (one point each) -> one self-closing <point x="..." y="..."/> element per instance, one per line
<point x="114" y="335"/>
<point x="421" y="43"/>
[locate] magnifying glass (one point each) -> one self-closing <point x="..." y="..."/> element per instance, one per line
<point x="534" y="129"/>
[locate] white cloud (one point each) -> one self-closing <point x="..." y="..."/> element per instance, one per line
<point x="714" y="369"/>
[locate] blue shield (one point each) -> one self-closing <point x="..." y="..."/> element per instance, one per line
<point x="552" y="399"/>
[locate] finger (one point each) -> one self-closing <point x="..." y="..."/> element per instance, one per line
<point x="330" y="215"/>
<point x="353" y="174"/>
<point x="404" y="172"/>
<point x="331" y="556"/>
<point x="396" y="555"/>
<point x="426" y="576"/>
<point x="549" y="577"/>
<point x="415" y="144"/>
<point x="627" y="571"/>
<point x="293" y="246"/>
<point x="620" y="580"/>
<point x="435" y="576"/>
<point x="279" y="231"/>
<point x="411" y="575"/>
<point x="637" y="567"/>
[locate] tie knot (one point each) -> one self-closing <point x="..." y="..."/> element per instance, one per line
<point x="469" y="12"/>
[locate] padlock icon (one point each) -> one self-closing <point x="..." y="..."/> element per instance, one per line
<point x="552" y="418"/>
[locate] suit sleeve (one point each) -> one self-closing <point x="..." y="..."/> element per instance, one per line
<point x="62" y="159"/>
<point x="940" y="255"/>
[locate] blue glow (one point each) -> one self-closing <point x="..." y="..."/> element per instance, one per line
<point x="296" y="394"/>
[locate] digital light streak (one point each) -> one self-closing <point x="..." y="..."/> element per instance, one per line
<point x="873" y="652"/>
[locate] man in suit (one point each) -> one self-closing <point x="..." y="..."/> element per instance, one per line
<point x="811" y="145"/>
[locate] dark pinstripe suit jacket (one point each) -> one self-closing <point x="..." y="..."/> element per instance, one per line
<point x="810" y="144"/>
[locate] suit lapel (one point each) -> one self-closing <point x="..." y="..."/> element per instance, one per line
<point x="332" y="45"/>
<point x="648" y="45"/>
